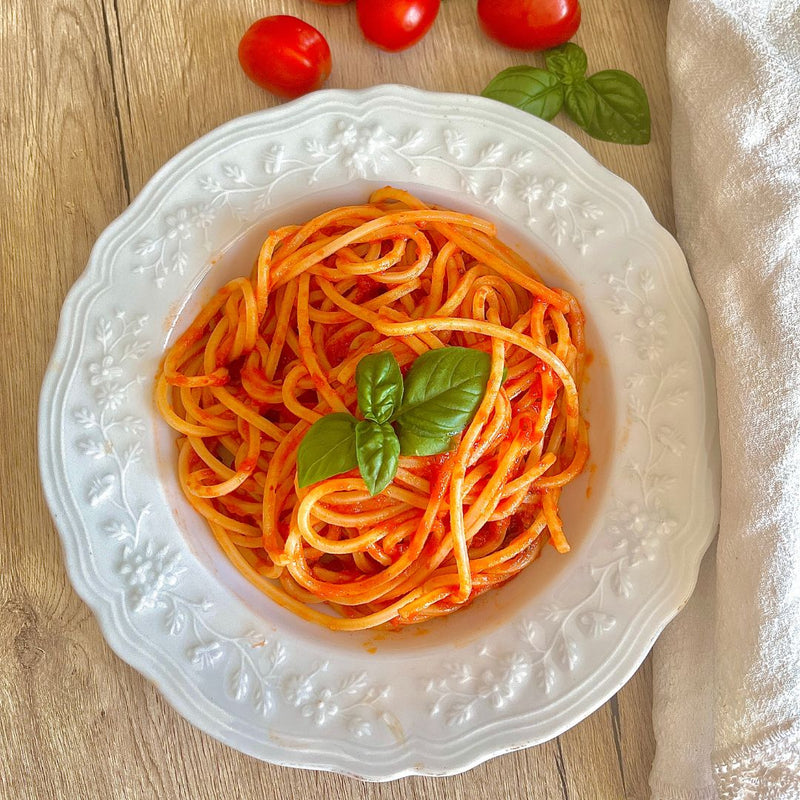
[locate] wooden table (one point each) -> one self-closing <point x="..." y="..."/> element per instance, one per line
<point x="94" y="96"/>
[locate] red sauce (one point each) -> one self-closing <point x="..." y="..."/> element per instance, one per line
<point x="499" y="526"/>
<point x="438" y="478"/>
<point x="366" y="289"/>
<point x="318" y="381"/>
<point x="400" y="548"/>
<point x="235" y="369"/>
<point x="286" y="357"/>
<point x="480" y="538"/>
<point x="338" y="348"/>
<point x="433" y="466"/>
<point x="525" y="426"/>
<point x="490" y="531"/>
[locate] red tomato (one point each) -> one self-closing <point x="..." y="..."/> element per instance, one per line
<point x="285" y="55"/>
<point x="530" y="24"/>
<point x="396" y="24"/>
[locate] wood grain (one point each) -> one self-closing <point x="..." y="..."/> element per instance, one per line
<point x="94" y="96"/>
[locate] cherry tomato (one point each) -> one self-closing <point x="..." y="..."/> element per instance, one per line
<point x="530" y="24"/>
<point x="285" y="55"/>
<point x="396" y="24"/>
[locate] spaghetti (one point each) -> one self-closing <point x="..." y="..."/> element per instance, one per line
<point x="272" y="353"/>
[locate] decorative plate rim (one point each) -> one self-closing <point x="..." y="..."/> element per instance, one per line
<point x="492" y="677"/>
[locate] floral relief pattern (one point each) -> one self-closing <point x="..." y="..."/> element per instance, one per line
<point x="352" y="699"/>
<point x="120" y="347"/>
<point x="496" y="680"/>
<point x="489" y="174"/>
<point x="656" y="389"/>
<point x="565" y="219"/>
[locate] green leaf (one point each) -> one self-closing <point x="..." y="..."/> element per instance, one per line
<point x="329" y="448"/>
<point x="611" y="106"/>
<point x="442" y="391"/>
<point x="567" y="63"/>
<point x="377" y="450"/>
<point x="412" y="444"/>
<point x="534" y="90"/>
<point x="380" y="386"/>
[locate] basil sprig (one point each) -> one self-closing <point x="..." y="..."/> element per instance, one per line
<point x="418" y="415"/>
<point x="610" y="105"/>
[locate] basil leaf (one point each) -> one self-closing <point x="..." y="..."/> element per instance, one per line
<point x="327" y="449"/>
<point x="377" y="450"/>
<point x="412" y="444"/>
<point x="611" y="106"/>
<point x="442" y="391"/>
<point x="532" y="89"/>
<point x="567" y="63"/>
<point x="380" y="386"/>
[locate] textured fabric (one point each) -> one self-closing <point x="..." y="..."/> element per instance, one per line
<point x="727" y="670"/>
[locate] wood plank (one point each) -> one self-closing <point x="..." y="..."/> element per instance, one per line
<point x="635" y="731"/>
<point x="61" y="184"/>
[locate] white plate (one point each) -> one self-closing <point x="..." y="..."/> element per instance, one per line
<point x="523" y="663"/>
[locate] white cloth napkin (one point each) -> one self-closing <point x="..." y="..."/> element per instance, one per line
<point x="726" y="708"/>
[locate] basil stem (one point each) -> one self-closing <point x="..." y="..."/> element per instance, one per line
<point x="610" y="105"/>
